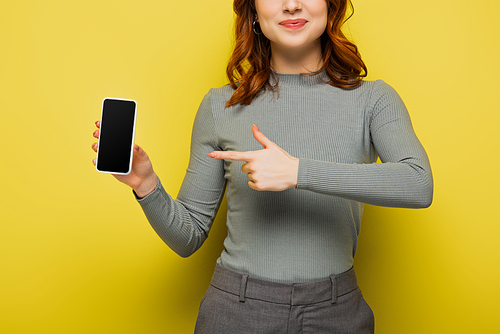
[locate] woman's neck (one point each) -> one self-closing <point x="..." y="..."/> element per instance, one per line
<point x="296" y="61"/>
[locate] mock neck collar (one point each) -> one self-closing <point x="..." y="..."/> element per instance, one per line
<point x="298" y="79"/>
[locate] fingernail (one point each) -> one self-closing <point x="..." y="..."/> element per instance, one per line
<point x="211" y="155"/>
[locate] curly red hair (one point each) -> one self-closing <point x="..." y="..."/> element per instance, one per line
<point x="249" y="67"/>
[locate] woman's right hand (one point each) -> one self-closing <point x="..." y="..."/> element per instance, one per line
<point x="142" y="177"/>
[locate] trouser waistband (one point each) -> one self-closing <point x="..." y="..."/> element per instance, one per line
<point x="245" y="286"/>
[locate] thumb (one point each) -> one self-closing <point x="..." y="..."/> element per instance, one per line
<point x="140" y="153"/>
<point x="259" y="136"/>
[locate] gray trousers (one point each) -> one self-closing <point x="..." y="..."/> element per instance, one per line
<point x="238" y="304"/>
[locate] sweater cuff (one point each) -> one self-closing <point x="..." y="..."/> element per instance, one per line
<point x="317" y="176"/>
<point x="149" y="197"/>
<point x="306" y="170"/>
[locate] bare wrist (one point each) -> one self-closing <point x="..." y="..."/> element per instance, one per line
<point x="147" y="187"/>
<point x="295" y="174"/>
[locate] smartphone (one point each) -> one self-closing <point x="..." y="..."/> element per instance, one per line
<point x="116" y="136"/>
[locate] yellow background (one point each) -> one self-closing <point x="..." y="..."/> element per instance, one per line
<point x="76" y="252"/>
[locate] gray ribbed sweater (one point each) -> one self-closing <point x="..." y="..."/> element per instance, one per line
<point x="309" y="232"/>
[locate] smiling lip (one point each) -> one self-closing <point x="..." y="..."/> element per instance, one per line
<point x="293" y="24"/>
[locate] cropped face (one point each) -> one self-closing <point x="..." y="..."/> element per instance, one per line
<point x="292" y="24"/>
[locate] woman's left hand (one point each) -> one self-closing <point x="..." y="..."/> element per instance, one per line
<point x="271" y="168"/>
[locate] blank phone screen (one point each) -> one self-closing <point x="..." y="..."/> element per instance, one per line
<point x="116" y="136"/>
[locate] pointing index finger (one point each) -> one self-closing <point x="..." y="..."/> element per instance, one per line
<point x="231" y="155"/>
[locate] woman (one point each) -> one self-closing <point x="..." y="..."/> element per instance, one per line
<point x="294" y="189"/>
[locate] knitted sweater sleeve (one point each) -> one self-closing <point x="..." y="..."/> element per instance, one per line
<point x="404" y="177"/>
<point x="183" y="224"/>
